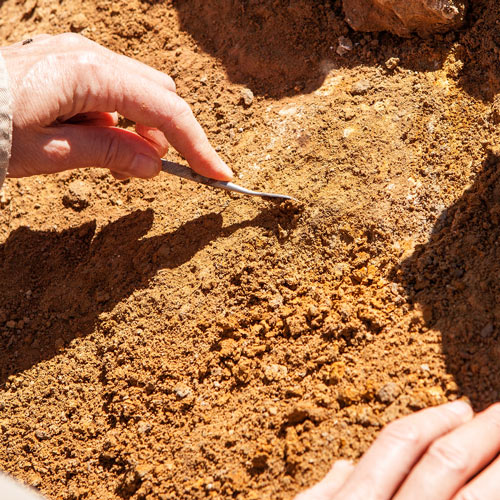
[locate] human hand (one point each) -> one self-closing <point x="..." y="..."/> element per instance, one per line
<point x="442" y="453"/>
<point x="66" y="92"/>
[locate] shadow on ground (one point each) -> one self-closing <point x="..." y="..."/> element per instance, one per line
<point x="281" y="48"/>
<point x="63" y="281"/>
<point x="455" y="278"/>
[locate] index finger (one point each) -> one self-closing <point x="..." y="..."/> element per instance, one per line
<point x="400" y="445"/>
<point x="144" y="101"/>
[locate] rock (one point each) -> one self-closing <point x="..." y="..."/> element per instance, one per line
<point x="294" y="391"/>
<point x="142" y="469"/>
<point x="404" y="17"/>
<point x="392" y="63"/>
<point x="143" y="427"/>
<point x="304" y="410"/>
<point x="276" y="302"/>
<point x="313" y="311"/>
<point x="246" y="97"/>
<point x="41" y="435"/>
<point x="4" y="197"/>
<point x="229" y="348"/>
<point x="389" y="393"/>
<point x="345" y="46"/>
<point x="336" y="372"/>
<point x="425" y="397"/>
<point x="79" y="23"/>
<point x="242" y="371"/>
<point x="78" y="195"/>
<point x="275" y="372"/>
<point x="296" y="325"/>
<point x="255" y="350"/>
<point x="34" y="479"/>
<point x="361" y="87"/>
<point x="182" y="390"/>
<point x="487" y="330"/>
<point x="348" y="396"/>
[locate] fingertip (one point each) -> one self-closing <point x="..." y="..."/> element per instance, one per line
<point x="331" y="483"/>
<point x="222" y="172"/>
<point x="119" y="176"/>
<point x="461" y="408"/>
<point x="144" y="166"/>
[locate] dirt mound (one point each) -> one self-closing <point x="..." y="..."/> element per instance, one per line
<point x="164" y="340"/>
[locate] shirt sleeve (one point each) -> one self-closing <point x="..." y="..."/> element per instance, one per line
<point x="5" y="120"/>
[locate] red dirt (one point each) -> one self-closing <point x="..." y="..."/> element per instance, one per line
<point x="163" y="340"/>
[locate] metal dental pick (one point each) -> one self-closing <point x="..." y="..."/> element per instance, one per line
<point x="179" y="170"/>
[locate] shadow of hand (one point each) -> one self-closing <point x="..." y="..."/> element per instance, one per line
<point x="62" y="281"/>
<point x="455" y="277"/>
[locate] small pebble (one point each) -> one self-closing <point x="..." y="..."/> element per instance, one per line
<point x="392" y="63"/>
<point x="79" y="23"/>
<point x="389" y="393"/>
<point x="361" y="87"/>
<point x="78" y="195"/>
<point x="247" y="97"/>
<point x="143" y="427"/>
<point x="487" y="330"/>
<point x="275" y="372"/>
<point x="344" y="46"/>
<point x="41" y="435"/>
<point x="182" y="390"/>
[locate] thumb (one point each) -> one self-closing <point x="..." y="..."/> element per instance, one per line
<point x="330" y="484"/>
<point x="121" y="151"/>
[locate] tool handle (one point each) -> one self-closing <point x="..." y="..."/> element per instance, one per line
<point x="171" y="167"/>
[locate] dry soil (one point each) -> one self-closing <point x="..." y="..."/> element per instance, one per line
<point x="162" y="340"/>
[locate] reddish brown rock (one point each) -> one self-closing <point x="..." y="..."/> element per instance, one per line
<point x="404" y="17"/>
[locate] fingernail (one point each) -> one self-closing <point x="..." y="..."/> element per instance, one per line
<point x="460" y="407"/>
<point x="144" y="166"/>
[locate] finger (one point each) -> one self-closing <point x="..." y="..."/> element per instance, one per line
<point x="453" y="459"/>
<point x="146" y="71"/>
<point x="112" y="60"/>
<point x="400" y="445"/>
<point x="484" y="486"/>
<point x="145" y="101"/>
<point x="124" y="63"/>
<point x="154" y="136"/>
<point x="174" y="118"/>
<point x="330" y="484"/>
<point x="95" y="119"/>
<point x="123" y="152"/>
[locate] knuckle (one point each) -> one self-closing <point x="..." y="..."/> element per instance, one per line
<point x="171" y="84"/>
<point x="110" y="151"/>
<point x="72" y="39"/>
<point x="402" y="431"/>
<point x="178" y="109"/>
<point x="181" y="107"/>
<point x="468" y="494"/>
<point x="88" y="60"/>
<point x="447" y="454"/>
